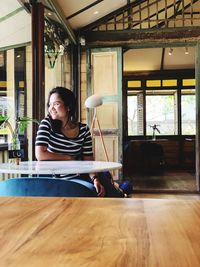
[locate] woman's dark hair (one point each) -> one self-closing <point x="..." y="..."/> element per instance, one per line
<point x="67" y="97"/>
<point x="69" y="100"/>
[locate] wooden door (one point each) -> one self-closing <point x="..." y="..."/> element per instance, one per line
<point x="106" y="80"/>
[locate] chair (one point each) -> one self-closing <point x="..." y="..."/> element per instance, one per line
<point x="152" y="157"/>
<point x="46" y="187"/>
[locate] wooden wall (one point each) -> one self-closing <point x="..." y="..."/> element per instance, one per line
<point x="177" y="154"/>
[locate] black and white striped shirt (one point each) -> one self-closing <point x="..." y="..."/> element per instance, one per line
<point x="79" y="146"/>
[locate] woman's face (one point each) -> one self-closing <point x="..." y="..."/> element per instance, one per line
<point x="57" y="109"/>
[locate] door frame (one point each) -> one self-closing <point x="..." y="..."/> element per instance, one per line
<point x="117" y="98"/>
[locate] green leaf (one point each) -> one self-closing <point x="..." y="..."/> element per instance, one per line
<point x="23" y="122"/>
<point x="3" y="119"/>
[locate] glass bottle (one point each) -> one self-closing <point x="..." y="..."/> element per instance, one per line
<point x="14" y="151"/>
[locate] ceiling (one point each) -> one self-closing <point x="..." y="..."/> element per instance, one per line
<point x="150" y="59"/>
<point x="91" y="10"/>
<point x="80" y="13"/>
<point x="15" y="24"/>
<point x="15" y="29"/>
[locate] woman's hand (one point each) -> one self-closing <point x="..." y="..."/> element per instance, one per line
<point x="42" y="153"/>
<point x="99" y="187"/>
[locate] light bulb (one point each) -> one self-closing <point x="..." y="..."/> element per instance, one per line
<point x="186" y="51"/>
<point x="170" y="52"/>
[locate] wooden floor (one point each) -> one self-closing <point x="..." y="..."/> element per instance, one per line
<point x="170" y="181"/>
<point x="165" y="196"/>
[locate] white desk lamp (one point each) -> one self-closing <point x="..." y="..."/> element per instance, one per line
<point x="93" y="102"/>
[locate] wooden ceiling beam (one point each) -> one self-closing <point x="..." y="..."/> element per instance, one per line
<point x="120" y="38"/>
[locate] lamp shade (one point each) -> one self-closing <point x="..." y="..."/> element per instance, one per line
<point x="93" y="101"/>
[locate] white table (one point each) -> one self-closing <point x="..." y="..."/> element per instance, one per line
<point x="58" y="167"/>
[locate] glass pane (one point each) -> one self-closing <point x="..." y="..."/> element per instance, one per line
<point x="153" y="83"/>
<point x="161" y="111"/>
<point x="135" y="114"/>
<point x="134" y="84"/>
<point x="169" y="82"/>
<point x="188" y="114"/>
<point x="189" y="82"/>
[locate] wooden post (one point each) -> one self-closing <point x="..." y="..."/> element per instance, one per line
<point x="38" y="66"/>
<point x="197" y="141"/>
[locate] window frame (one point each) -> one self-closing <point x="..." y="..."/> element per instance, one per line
<point x="143" y="77"/>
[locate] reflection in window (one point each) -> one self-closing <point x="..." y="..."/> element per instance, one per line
<point x="20" y="80"/>
<point x="3" y="73"/>
<point x="12" y="85"/>
<point x="188" y="114"/>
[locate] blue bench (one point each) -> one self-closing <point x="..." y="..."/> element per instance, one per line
<point x="46" y="187"/>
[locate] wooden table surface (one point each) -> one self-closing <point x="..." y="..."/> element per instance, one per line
<point x="99" y="232"/>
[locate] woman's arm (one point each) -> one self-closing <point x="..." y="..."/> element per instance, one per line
<point x="94" y="177"/>
<point x="42" y="153"/>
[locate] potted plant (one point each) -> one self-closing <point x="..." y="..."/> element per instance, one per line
<point x="20" y="127"/>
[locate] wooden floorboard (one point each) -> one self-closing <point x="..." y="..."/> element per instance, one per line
<point x="173" y="181"/>
<point x="165" y="196"/>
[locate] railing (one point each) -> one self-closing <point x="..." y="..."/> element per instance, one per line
<point x="152" y="14"/>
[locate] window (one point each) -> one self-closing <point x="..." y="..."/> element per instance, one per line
<point x="12" y="85"/>
<point x="166" y="100"/>
<point x="135" y="114"/>
<point x="188" y="113"/>
<point x="161" y="110"/>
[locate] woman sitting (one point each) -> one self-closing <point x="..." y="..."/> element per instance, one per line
<point x="59" y="137"/>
